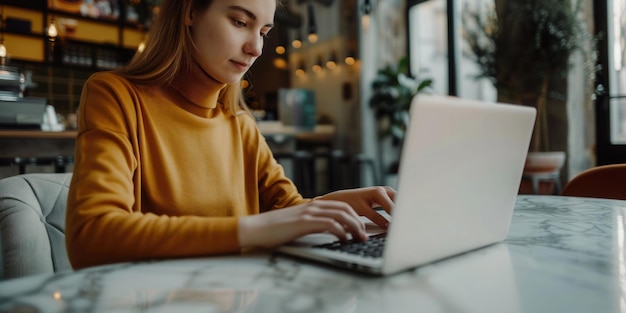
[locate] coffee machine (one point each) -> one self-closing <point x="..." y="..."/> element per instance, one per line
<point x="13" y="82"/>
<point x="18" y="111"/>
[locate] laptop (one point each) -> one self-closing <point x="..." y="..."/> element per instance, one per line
<point x="460" y="171"/>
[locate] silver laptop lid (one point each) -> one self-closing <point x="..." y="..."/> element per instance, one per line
<point x="460" y="171"/>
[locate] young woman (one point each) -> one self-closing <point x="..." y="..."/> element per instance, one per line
<point x="169" y="164"/>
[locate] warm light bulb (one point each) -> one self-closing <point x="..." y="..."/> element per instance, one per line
<point x="365" y="21"/>
<point x="312" y="37"/>
<point x="280" y="63"/>
<point x="365" y="18"/>
<point x="280" y="50"/>
<point x="350" y="60"/>
<point x="3" y="50"/>
<point x="52" y="30"/>
<point x="331" y="64"/>
<point x="316" y="68"/>
<point x="141" y="47"/>
<point x="300" y="70"/>
<point x="296" y="43"/>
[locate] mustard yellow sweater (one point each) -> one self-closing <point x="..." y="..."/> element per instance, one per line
<point x="159" y="175"/>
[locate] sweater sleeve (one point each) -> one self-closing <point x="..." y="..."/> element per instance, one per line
<point x="105" y="222"/>
<point x="276" y="190"/>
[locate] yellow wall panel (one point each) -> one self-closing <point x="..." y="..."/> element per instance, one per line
<point x="35" y="17"/>
<point x="24" y="48"/>
<point x="132" y="37"/>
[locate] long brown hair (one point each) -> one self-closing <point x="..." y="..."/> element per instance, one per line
<point x="168" y="51"/>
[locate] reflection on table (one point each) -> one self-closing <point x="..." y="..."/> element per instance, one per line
<point x="562" y="255"/>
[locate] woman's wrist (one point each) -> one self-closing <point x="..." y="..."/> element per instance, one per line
<point x="245" y="227"/>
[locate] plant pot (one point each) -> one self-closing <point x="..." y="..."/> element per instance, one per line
<point x="544" y="162"/>
<point x="542" y="173"/>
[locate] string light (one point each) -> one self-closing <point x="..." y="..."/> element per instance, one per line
<point x="365" y="18"/>
<point x="141" y="46"/>
<point x="280" y="63"/>
<point x="297" y="42"/>
<point x="300" y="71"/>
<point x="244" y="84"/>
<point x="52" y="36"/>
<point x="52" y="30"/>
<point x="350" y="60"/>
<point x="317" y="67"/>
<point x="312" y="24"/>
<point x="142" y="42"/>
<point x="3" y="48"/>
<point x="332" y="61"/>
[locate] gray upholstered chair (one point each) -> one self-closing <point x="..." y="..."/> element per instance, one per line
<point x="32" y="224"/>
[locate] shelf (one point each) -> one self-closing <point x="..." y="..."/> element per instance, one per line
<point x="33" y="35"/>
<point x="56" y="13"/>
<point x="90" y="55"/>
<point x="35" y="5"/>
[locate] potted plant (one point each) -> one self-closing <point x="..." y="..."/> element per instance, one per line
<point x="393" y="90"/>
<point x="524" y="49"/>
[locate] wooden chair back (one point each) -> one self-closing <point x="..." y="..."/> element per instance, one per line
<point x="605" y="181"/>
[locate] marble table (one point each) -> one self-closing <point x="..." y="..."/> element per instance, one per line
<point x="562" y="255"/>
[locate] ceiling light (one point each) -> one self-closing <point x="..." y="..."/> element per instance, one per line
<point x="365" y="18"/>
<point x="52" y="30"/>
<point x="350" y="60"/>
<point x="280" y="50"/>
<point x="332" y="61"/>
<point x="297" y="42"/>
<point x="280" y="63"/>
<point x="317" y="67"/>
<point x="300" y="71"/>
<point x="312" y="24"/>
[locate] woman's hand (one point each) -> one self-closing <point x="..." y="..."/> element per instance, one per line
<point x="276" y="227"/>
<point x="364" y="200"/>
<point x="337" y="213"/>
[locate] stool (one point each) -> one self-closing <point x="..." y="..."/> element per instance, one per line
<point x="304" y="173"/>
<point x="345" y="171"/>
<point x="361" y="162"/>
<point x="303" y="164"/>
<point x="537" y="177"/>
<point x="339" y="170"/>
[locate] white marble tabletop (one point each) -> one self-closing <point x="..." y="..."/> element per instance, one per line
<point x="562" y="255"/>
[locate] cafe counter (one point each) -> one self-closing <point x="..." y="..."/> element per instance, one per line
<point x="40" y="143"/>
<point x="36" y="143"/>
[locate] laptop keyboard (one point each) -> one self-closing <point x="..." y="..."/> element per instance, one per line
<point x="372" y="248"/>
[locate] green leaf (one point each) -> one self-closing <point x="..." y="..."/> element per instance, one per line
<point x="397" y="132"/>
<point x="424" y="84"/>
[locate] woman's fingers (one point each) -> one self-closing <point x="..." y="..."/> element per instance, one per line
<point x="338" y="212"/>
<point x="320" y="224"/>
<point x="384" y="197"/>
<point x="375" y="197"/>
<point x="376" y="218"/>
